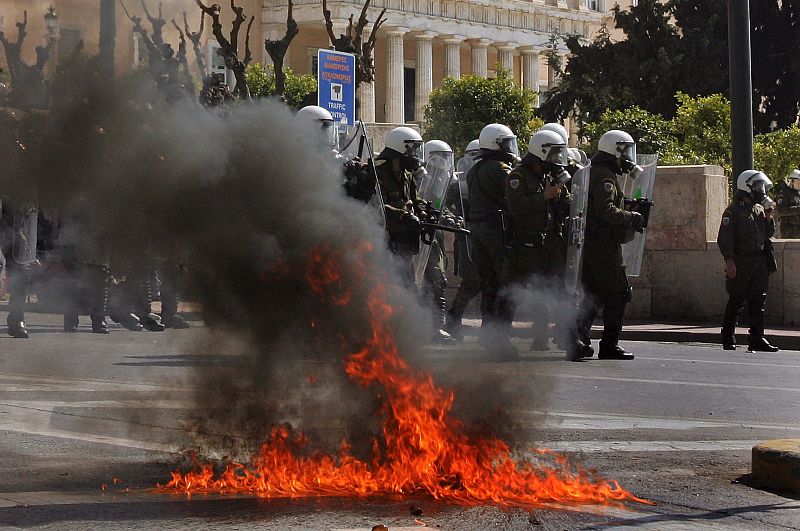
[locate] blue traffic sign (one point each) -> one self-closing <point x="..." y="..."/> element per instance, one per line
<point x="336" y="84"/>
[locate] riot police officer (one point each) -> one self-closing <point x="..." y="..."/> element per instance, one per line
<point x="743" y="240"/>
<point x="486" y="182"/>
<point x="788" y="202"/>
<point x="18" y="264"/>
<point x="464" y="267"/>
<point x="440" y="168"/>
<point x="537" y="248"/>
<point x="397" y="163"/>
<point x="608" y="226"/>
<point x="359" y="182"/>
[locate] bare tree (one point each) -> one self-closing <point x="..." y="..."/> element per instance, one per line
<point x="164" y="65"/>
<point x="352" y="41"/>
<point x="229" y="46"/>
<point x="28" y="88"/>
<point x="277" y="50"/>
<point x="195" y="38"/>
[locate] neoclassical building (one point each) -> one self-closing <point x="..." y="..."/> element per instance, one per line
<point x="422" y="42"/>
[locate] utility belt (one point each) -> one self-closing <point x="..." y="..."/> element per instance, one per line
<point x="499" y="221"/>
<point x="749" y="253"/>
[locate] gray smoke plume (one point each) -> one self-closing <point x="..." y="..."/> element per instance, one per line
<point x="243" y="197"/>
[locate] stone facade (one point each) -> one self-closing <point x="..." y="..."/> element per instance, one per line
<point x="422" y="42"/>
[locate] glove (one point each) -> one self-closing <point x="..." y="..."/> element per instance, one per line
<point x="411" y="221"/>
<point x="637" y="220"/>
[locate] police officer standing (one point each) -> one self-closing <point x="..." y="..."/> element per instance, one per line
<point x="488" y="212"/>
<point x="788" y="202"/>
<point x="743" y="240"/>
<point x="470" y="285"/>
<point x="537" y="252"/>
<point x="608" y="226"/>
<point x="397" y="163"/>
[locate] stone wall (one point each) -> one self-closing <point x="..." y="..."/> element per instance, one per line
<point x="682" y="276"/>
<point x="683" y="271"/>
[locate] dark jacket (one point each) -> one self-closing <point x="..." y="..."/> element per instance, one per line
<point x="486" y="182"/>
<point x="607" y="219"/>
<point x="744" y="229"/>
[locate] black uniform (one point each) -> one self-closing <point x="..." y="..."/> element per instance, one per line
<point x="488" y="211"/>
<point x="744" y="237"/>
<point x="608" y="226"/>
<point x="464" y="267"/>
<point x="399" y="194"/>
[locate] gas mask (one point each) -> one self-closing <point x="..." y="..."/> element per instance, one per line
<point x="556" y="160"/>
<point x="413" y="159"/>
<point x="627" y="159"/>
<point x="759" y="190"/>
<point x="508" y="146"/>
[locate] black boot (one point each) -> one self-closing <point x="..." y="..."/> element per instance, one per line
<point x="728" y="332"/>
<point x="71" y="322"/>
<point x="151" y="322"/>
<point x="16" y="326"/>
<point x="128" y="321"/>
<point x="99" y="325"/>
<point x="174" y="321"/>
<point x="612" y="327"/>
<point x="760" y="344"/>
<point x="452" y="326"/>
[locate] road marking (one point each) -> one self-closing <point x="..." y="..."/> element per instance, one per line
<point x="666" y="382"/>
<point x="72" y="383"/>
<point x="649" y="446"/>
<point x="743" y="363"/>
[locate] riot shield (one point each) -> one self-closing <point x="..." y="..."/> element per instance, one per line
<point x="432" y="188"/>
<point x="463" y="166"/>
<point x="354" y="143"/>
<point x="25" y="230"/>
<point x="576" y="228"/>
<point x="639" y="194"/>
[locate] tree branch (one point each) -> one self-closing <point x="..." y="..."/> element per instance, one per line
<point x="236" y="25"/>
<point x="248" y="54"/>
<point x="328" y="22"/>
<point x="195" y="39"/>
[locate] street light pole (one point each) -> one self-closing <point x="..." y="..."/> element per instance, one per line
<point x="741" y="85"/>
<point x="108" y="34"/>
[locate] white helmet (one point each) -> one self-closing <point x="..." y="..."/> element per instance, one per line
<point x="436" y="146"/>
<point x="549" y="146"/>
<point x="753" y="181"/>
<point x="473" y="147"/>
<point x="557" y="128"/>
<point x="622" y="147"/>
<point x="405" y="141"/>
<point x="498" y="137"/>
<point x="578" y="157"/>
<point x="794" y="176"/>
<point x="313" y="115"/>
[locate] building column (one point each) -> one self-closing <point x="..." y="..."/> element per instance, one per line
<point x="424" y="73"/>
<point x="452" y="58"/>
<point x="530" y="69"/>
<point x="505" y="56"/>
<point x="395" y="111"/>
<point x="480" y="57"/>
<point x="366" y="95"/>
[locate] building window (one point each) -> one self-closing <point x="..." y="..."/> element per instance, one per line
<point x="595" y="5"/>
<point x="217" y="63"/>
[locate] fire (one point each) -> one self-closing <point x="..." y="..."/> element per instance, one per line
<point x="422" y="448"/>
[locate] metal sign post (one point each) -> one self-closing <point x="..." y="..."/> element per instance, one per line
<point x="336" y="85"/>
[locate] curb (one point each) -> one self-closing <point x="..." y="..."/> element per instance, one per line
<point x="776" y="463"/>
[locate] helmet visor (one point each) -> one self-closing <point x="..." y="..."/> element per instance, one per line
<point x="557" y="154"/>
<point x="415" y="149"/>
<point x="627" y="150"/>
<point x="508" y="144"/>
<point x="330" y="131"/>
<point x="761" y="186"/>
<point x="442" y="158"/>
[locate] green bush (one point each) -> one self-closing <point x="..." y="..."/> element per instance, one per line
<point x="652" y="132"/>
<point x="460" y="108"/>
<point x="261" y="81"/>
<point x="778" y="153"/>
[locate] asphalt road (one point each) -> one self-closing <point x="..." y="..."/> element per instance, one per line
<point x="674" y="426"/>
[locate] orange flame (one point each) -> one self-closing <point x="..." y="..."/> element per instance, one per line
<point x="423" y="448"/>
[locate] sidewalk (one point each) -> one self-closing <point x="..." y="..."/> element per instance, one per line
<point x="783" y="338"/>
